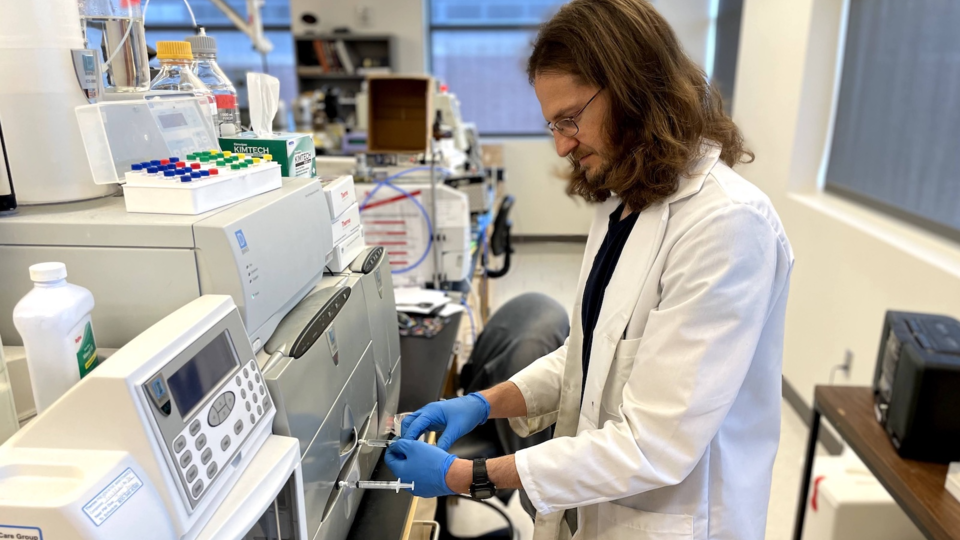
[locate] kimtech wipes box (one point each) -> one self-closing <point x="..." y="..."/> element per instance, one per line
<point x="293" y="151"/>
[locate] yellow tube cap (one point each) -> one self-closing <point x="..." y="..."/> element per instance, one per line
<point x="227" y="154"/>
<point x="174" y="50"/>
<point x="241" y="156"/>
<point x="268" y="157"/>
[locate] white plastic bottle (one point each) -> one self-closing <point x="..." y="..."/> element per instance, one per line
<point x="54" y="321"/>
<point x="8" y="411"/>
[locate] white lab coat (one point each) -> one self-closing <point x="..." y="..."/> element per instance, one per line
<point x="680" y="418"/>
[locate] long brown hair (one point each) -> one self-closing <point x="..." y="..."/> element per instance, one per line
<point x="661" y="105"/>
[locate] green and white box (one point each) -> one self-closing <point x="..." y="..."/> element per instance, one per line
<point x="293" y="151"/>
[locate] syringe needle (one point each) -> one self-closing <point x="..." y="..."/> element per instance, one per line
<point x="370" y="484"/>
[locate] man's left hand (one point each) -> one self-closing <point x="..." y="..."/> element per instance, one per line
<point x="423" y="464"/>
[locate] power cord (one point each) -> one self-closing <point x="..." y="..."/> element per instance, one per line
<point x="510" y="529"/>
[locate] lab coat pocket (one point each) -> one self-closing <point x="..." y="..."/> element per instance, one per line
<point x="616" y="522"/>
<point x="620" y="369"/>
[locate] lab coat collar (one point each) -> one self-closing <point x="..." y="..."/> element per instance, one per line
<point x="623" y="292"/>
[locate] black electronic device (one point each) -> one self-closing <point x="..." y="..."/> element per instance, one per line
<point x="481" y="488"/>
<point x="916" y="385"/>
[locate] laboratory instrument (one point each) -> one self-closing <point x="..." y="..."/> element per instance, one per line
<point x="115" y="27"/>
<point x="267" y="252"/>
<point x="54" y="321"/>
<point x="916" y="385"/>
<point x="375" y="484"/>
<point x="164" y="438"/>
<point x="206" y="69"/>
<point x="47" y="74"/>
<point x="9" y="422"/>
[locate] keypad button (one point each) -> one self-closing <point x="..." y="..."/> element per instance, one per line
<point x="256" y="398"/>
<point x="201" y="442"/>
<point x="213" y="418"/>
<point x="253" y="418"/>
<point x="243" y="394"/>
<point x="246" y="373"/>
<point x="179" y="444"/>
<point x="191" y="474"/>
<point x="185" y="459"/>
<point x="248" y="406"/>
<point x="225" y="443"/>
<point x="224" y="414"/>
<point x="266" y="404"/>
<point x="238" y="427"/>
<point x="219" y="402"/>
<point x="197" y="489"/>
<point x="259" y="410"/>
<point x="250" y="385"/>
<point x="195" y="427"/>
<point x="212" y="470"/>
<point x="262" y="391"/>
<point x="229" y="400"/>
<point x="205" y="456"/>
<point x="239" y="382"/>
<point x="256" y="377"/>
<point x="252" y="364"/>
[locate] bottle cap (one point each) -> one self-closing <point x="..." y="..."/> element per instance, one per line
<point x="221" y="163"/>
<point x="241" y="156"/>
<point x="268" y="157"/>
<point x="48" y="271"/>
<point x="164" y="161"/>
<point x="185" y="178"/>
<point x="152" y="170"/>
<point x="227" y="154"/>
<point x="256" y="160"/>
<point x="234" y="166"/>
<point x="181" y="164"/>
<point x="194" y="165"/>
<point x="204" y="158"/>
<point x="202" y="43"/>
<point x="174" y="159"/>
<point x="191" y="157"/>
<point x="243" y="164"/>
<point x="155" y="162"/>
<point x="214" y="172"/>
<point x="204" y="173"/>
<point x="136" y="167"/>
<point x="169" y="173"/>
<point x="195" y="174"/>
<point x="174" y="50"/>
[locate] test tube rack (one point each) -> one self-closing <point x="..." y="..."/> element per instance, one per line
<point x="199" y="183"/>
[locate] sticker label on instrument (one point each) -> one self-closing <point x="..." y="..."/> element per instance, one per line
<point x="20" y="533"/>
<point x="108" y="501"/>
<point x="334" y="350"/>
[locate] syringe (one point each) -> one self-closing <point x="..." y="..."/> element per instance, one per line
<point x="371" y="484"/>
<point x="376" y="443"/>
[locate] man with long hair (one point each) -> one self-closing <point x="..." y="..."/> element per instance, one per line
<point x="666" y="396"/>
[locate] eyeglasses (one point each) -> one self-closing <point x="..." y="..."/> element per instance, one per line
<point x="568" y="126"/>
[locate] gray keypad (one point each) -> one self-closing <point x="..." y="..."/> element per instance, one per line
<point x="181" y="443"/>
<point x="212" y="470"/>
<point x="197" y="489"/>
<point x="225" y="443"/>
<point x="185" y="459"/>
<point x="213" y="418"/>
<point x="228" y="400"/>
<point x="201" y="442"/>
<point x="219" y="402"/>
<point x="191" y="474"/>
<point x="195" y="428"/>
<point x="238" y="427"/>
<point x="206" y="456"/>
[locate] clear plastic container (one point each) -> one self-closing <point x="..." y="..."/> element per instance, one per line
<point x="116" y="27"/>
<point x="176" y="73"/>
<point x="205" y="67"/>
<point x="54" y="321"/>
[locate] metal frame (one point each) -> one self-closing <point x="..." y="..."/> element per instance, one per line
<point x="811" y="454"/>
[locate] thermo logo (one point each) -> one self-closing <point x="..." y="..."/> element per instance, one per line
<point x="242" y="241"/>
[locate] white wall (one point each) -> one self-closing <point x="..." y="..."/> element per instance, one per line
<point x="853" y="263"/>
<point x="403" y="19"/>
<point x="691" y="21"/>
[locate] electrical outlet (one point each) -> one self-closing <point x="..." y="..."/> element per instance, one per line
<point x="364" y="15"/>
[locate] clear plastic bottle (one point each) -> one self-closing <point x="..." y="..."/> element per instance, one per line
<point x="54" y="321"/>
<point x="176" y="73"/>
<point x="205" y="67"/>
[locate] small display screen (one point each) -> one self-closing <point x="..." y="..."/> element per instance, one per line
<point x="173" y="120"/>
<point x="202" y="373"/>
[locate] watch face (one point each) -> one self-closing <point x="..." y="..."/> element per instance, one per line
<point x="484" y="491"/>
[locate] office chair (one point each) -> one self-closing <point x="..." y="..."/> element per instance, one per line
<point x="523" y="330"/>
<point x="500" y="238"/>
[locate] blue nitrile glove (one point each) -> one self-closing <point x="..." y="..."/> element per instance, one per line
<point x="423" y="464"/>
<point x="455" y="417"/>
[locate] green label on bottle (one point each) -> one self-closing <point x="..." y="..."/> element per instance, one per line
<point x="87" y="358"/>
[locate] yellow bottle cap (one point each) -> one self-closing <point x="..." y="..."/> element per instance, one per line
<point x="174" y="50"/>
<point x="227" y="154"/>
<point x="241" y="156"/>
<point x="256" y="160"/>
<point x="268" y="157"/>
<point x="214" y="152"/>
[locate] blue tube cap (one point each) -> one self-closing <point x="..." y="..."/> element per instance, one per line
<point x="152" y="170"/>
<point x="185" y="178"/>
<point x="204" y="173"/>
<point x="169" y="174"/>
<point x="195" y="174"/>
<point x="144" y="164"/>
<point x="136" y="167"/>
<point x="155" y="162"/>
<point x="173" y="159"/>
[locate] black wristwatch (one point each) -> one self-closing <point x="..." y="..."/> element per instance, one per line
<point x="482" y="487"/>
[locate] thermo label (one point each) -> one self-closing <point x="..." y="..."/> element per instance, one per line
<point x="108" y="501"/>
<point x="20" y="533"/>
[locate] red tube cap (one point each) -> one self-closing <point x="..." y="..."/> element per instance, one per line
<point x="214" y="172"/>
<point x="194" y="165"/>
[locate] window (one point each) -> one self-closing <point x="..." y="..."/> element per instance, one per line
<point x="479" y="48"/>
<point x="169" y="20"/>
<point x="894" y="136"/>
<point x="726" y="48"/>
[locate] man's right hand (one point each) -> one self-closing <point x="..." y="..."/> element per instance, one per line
<point x="455" y="417"/>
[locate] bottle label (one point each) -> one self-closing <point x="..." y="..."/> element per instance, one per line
<point x="85" y="346"/>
